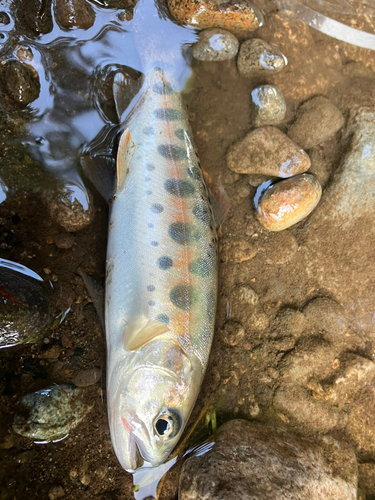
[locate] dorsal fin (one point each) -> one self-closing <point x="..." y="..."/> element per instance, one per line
<point x="142" y="331"/>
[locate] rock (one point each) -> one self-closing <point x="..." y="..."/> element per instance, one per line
<point x="215" y="45"/>
<point x="256" y="180"/>
<point x="249" y="460"/>
<point x="233" y="333"/>
<point x="317" y="120"/>
<point x="267" y="151"/>
<point x="39" y="23"/>
<point x="88" y="377"/>
<point x="239" y="251"/>
<point x="287" y="202"/>
<point x="73" y="209"/>
<point x="258" y="58"/>
<point x="56" y="492"/>
<point x="24" y="300"/>
<point x="52" y="413"/>
<point x="361" y="424"/>
<point x="366" y="478"/>
<point x="288" y="322"/>
<point x="64" y="240"/>
<point x="279" y="248"/>
<point x="267" y="106"/>
<point x="70" y="14"/>
<point x="245" y="308"/>
<point x="20" y="82"/>
<point x="327" y="317"/>
<point x="235" y="15"/>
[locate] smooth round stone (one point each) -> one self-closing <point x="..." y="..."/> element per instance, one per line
<point x="235" y="16"/>
<point x="287" y="202"/>
<point x="257" y="57"/>
<point x="215" y="45"/>
<point x="267" y="151"/>
<point x="267" y="106"/>
<point x="20" y="82"/>
<point x="74" y="14"/>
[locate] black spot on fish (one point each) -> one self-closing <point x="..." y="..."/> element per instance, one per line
<point x="165" y="262"/>
<point x="157" y="208"/>
<point x="162" y="88"/>
<point x="183" y="233"/>
<point x="211" y="305"/>
<point x="163" y="318"/>
<point x="151" y="303"/>
<point x="182" y="296"/>
<point x="150" y="288"/>
<point x="154" y="243"/>
<point x="148" y="192"/>
<point x="150" y="225"/>
<point x="147" y="179"/>
<point x="180" y="188"/>
<point x="195" y="173"/>
<point x="168" y="114"/>
<point x="180" y="134"/>
<point x="150" y="167"/>
<point x="202" y="267"/>
<point x="149" y="131"/>
<point x="172" y="152"/>
<point x="203" y="214"/>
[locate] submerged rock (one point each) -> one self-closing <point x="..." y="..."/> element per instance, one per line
<point x="24" y="304"/>
<point x="20" y="82"/>
<point x="267" y="106"/>
<point x="51" y="413"/>
<point x="287" y="202"/>
<point x="215" y="45"/>
<point x="39" y="22"/>
<point x="235" y="16"/>
<point x="317" y="120"/>
<point x="71" y="14"/>
<point x="267" y="151"/>
<point x="254" y="461"/>
<point x="257" y="57"/>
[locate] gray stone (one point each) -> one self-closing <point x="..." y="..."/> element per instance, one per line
<point x="267" y="106"/>
<point x="52" y="413"/>
<point x="88" y="377"/>
<point x="252" y="461"/>
<point x="317" y="120"/>
<point x="267" y="151"/>
<point x="257" y="57"/>
<point x="215" y="45"/>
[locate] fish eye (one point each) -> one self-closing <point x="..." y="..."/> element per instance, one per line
<point x="167" y="424"/>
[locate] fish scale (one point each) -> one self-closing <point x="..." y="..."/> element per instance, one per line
<point x="161" y="271"/>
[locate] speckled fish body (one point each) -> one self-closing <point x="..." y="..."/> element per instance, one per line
<point x="161" y="284"/>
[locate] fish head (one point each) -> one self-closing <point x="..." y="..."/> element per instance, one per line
<point x="149" y="410"/>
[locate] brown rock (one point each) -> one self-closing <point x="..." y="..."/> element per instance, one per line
<point x="267" y="106"/>
<point x="235" y="15"/>
<point x="70" y="14"/>
<point x="20" y="82"/>
<point x="366" y="478"/>
<point x="267" y="151"/>
<point x="328" y="317"/>
<point x="34" y="17"/>
<point x="361" y="425"/>
<point x="63" y="240"/>
<point x="68" y="211"/>
<point x="252" y="461"/>
<point x="239" y="251"/>
<point x="215" y="45"/>
<point x="88" y="377"/>
<point x="317" y="120"/>
<point x="233" y="333"/>
<point x="257" y="57"/>
<point x="287" y="202"/>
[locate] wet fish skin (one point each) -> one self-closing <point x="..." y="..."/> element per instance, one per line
<point x="161" y="284"/>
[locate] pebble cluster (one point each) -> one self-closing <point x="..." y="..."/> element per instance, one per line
<point x="269" y="155"/>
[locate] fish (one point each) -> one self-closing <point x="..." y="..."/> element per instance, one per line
<point x="161" y="275"/>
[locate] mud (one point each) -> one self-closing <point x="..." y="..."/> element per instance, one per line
<point x="294" y="341"/>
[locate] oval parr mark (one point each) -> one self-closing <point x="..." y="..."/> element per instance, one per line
<point x="168" y="114"/>
<point x="163" y="88"/>
<point x="194" y="173"/>
<point x="157" y="208"/>
<point x="183" y="233"/>
<point x="164" y="262"/>
<point x="203" y="214"/>
<point x="202" y="267"/>
<point x="179" y="188"/>
<point x="183" y="296"/>
<point x="172" y="152"/>
<point x="180" y="134"/>
<point x="154" y="243"/>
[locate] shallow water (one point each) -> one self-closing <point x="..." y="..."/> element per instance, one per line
<point x="40" y="155"/>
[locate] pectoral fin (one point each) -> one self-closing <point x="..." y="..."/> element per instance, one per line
<point x="125" y="154"/>
<point x="142" y="331"/>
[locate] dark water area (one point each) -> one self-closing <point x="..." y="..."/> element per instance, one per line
<point x="295" y="311"/>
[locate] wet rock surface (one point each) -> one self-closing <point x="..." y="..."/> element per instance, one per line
<point x="267" y="106"/>
<point x="317" y="120"/>
<point x="53" y="413"/>
<point x="215" y="45"/>
<point x="74" y="14"/>
<point x="257" y="57"/>
<point x="287" y="202"/>
<point x="238" y="464"/>
<point x="20" y="82"/>
<point x="267" y="151"/>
